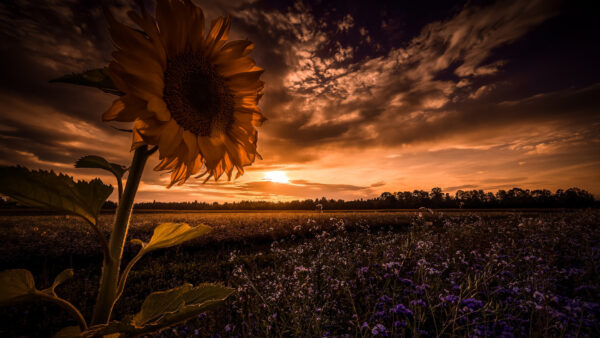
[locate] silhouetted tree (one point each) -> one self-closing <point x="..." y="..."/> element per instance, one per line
<point x="513" y="198"/>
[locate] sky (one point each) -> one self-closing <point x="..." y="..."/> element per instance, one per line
<point x="361" y="97"/>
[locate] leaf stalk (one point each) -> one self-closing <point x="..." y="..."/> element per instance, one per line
<point x="67" y="306"/>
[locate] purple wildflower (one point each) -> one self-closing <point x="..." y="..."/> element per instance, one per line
<point x="399" y="323"/>
<point x="471" y="303"/>
<point x="406" y="281"/>
<point x="385" y="299"/>
<point x="449" y="298"/>
<point x="401" y="309"/>
<point x="419" y="302"/>
<point x="379" y="329"/>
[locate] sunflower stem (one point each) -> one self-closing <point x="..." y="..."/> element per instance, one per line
<point x="111" y="264"/>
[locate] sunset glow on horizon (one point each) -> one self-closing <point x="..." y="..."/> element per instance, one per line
<point x="276" y="176"/>
<point x="360" y="99"/>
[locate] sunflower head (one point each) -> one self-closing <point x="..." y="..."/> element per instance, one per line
<point x="194" y="95"/>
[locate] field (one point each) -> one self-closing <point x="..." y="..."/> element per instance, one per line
<point x="356" y="274"/>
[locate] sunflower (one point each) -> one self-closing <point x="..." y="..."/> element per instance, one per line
<point x="195" y="96"/>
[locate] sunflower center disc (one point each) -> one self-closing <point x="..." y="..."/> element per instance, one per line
<point x="197" y="96"/>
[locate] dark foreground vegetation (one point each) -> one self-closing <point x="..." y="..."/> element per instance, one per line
<point x="344" y="274"/>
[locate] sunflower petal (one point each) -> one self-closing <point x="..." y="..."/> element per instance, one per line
<point x="212" y="149"/>
<point x="167" y="163"/>
<point x="159" y="108"/>
<point x="170" y="138"/>
<point x="126" y="37"/>
<point x="233" y="50"/>
<point x="139" y="65"/>
<point x="181" y="12"/>
<point x="217" y="36"/>
<point x="237" y="66"/>
<point x="197" y="30"/>
<point x="114" y="110"/>
<point x="167" y="25"/>
<point x="177" y="175"/>
<point x="147" y="23"/>
<point x="191" y="144"/>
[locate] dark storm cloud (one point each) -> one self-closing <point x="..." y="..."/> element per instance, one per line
<point x="42" y="41"/>
<point x="439" y="83"/>
<point x="572" y="107"/>
<point x="46" y="124"/>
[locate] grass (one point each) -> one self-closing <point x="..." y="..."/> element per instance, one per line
<point x="340" y="274"/>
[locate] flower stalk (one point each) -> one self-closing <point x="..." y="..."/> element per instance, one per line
<point x="70" y="308"/>
<point x="111" y="264"/>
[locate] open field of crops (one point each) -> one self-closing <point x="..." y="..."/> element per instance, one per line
<point x="336" y="274"/>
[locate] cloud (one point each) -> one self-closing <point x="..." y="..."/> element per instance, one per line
<point x="354" y="98"/>
<point x="346" y="23"/>
<point x="503" y="179"/>
<point x="459" y="187"/>
<point x="326" y="96"/>
<point x="300" y="189"/>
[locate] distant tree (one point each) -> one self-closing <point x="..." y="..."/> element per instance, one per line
<point x="514" y="198"/>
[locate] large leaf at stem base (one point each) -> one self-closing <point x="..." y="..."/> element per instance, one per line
<point x="171" y="234"/>
<point x="15" y="285"/>
<point x="92" y="161"/>
<point x="97" y="78"/>
<point x="166" y="308"/>
<point x="18" y="284"/>
<point x="68" y="332"/>
<point x="158" y="304"/>
<point x="47" y="190"/>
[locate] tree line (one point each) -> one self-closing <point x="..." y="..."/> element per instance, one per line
<point x="435" y="199"/>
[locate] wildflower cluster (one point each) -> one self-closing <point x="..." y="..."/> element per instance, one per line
<point x="474" y="276"/>
<point x="350" y="275"/>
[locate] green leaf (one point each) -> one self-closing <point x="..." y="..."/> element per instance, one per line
<point x="63" y="276"/>
<point x="68" y="332"/>
<point x="92" y="161"/>
<point x="158" y="304"/>
<point x="166" y="308"/>
<point x="97" y="78"/>
<point x="50" y="191"/>
<point x="206" y="292"/>
<point x="195" y="301"/>
<point x="171" y="234"/>
<point x="15" y="285"/>
<point x="18" y="285"/>
<point x="164" y="236"/>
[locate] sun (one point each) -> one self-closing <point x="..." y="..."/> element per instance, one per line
<point x="276" y="176"/>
